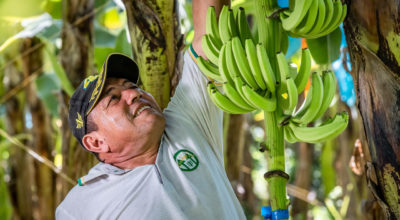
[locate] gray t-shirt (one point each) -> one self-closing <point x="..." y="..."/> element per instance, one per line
<point x="188" y="180"/>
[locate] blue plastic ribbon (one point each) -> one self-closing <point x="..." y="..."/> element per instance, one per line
<point x="266" y="212"/>
<point x="280" y="214"/>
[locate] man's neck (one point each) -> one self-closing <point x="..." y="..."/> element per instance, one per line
<point x="143" y="159"/>
<point x="148" y="155"/>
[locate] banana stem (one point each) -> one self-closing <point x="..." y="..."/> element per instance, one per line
<point x="268" y="32"/>
<point x="276" y="161"/>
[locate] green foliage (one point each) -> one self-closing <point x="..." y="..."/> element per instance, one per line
<point x="59" y="71"/>
<point x="53" y="7"/>
<point x="5" y="210"/>
<point x="103" y="38"/>
<point x="46" y="86"/>
<point x="326" y="49"/>
<point x="20" y="8"/>
<point x="122" y="45"/>
<point x="328" y="173"/>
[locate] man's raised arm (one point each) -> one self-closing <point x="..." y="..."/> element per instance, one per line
<point x="199" y="20"/>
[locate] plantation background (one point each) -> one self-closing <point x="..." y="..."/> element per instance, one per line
<point x="48" y="46"/>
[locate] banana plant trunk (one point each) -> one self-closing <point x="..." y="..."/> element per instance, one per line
<point x="234" y="144"/>
<point x="41" y="135"/>
<point x="20" y="164"/>
<point x="372" y="33"/>
<point x="76" y="57"/>
<point x="303" y="179"/>
<point x="156" y="42"/>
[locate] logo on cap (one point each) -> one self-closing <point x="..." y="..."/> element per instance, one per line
<point x="96" y="89"/>
<point x="186" y="160"/>
<point x="79" y="121"/>
<point x="88" y="80"/>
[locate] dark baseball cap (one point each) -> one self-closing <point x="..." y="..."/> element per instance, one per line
<point x="87" y="94"/>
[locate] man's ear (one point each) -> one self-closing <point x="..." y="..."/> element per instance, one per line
<point x="94" y="143"/>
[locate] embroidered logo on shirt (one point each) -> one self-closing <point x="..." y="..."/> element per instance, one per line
<point x="186" y="160"/>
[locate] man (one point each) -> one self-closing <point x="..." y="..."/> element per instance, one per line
<point x="155" y="165"/>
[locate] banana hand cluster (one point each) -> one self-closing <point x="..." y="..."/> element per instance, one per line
<point x="330" y="129"/>
<point x="319" y="97"/>
<point x="313" y="18"/>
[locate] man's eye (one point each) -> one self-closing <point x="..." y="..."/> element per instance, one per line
<point x="133" y="86"/>
<point x="112" y="99"/>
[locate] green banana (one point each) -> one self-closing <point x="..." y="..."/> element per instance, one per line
<point x="265" y="103"/>
<point x="243" y="26"/>
<point x="335" y="21"/>
<point x="304" y="71"/>
<point x="341" y="19"/>
<point x="235" y="97"/>
<point x="329" y="80"/>
<point x="309" y="20"/>
<point x="239" y="88"/>
<point x="223" y="24"/>
<point x="329" y="13"/>
<point x="292" y="95"/>
<point x="320" y="19"/>
<point x="222" y="65"/>
<point x="306" y="103"/>
<point x="296" y="16"/>
<point x="287" y="96"/>
<point x="233" y="29"/>
<point x="253" y="63"/>
<point x="223" y="102"/>
<point x="284" y="39"/>
<point x="209" y="49"/>
<point x="289" y="136"/>
<point x="317" y="97"/>
<point x="209" y="69"/>
<point x="212" y="25"/>
<point x="283" y="67"/>
<point x="320" y="133"/>
<point x="241" y="61"/>
<point x="230" y="61"/>
<point x="266" y="68"/>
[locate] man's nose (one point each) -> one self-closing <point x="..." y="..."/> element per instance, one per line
<point x="130" y="95"/>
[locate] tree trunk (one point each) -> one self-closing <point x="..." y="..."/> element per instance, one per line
<point x="235" y="140"/>
<point x="238" y="161"/>
<point x="41" y="134"/>
<point x="303" y="177"/>
<point x="156" y="43"/>
<point x="248" y="199"/>
<point x="76" y="57"/>
<point x="372" y="33"/>
<point x="20" y="164"/>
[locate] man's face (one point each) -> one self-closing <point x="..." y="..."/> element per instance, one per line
<point x="127" y="119"/>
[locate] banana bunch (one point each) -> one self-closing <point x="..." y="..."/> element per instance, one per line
<point x="250" y="81"/>
<point x="313" y="18"/>
<point x="233" y="61"/>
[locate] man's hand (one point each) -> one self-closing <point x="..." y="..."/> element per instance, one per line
<point x="200" y="8"/>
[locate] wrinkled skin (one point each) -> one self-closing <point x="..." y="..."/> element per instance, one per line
<point x="125" y="137"/>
